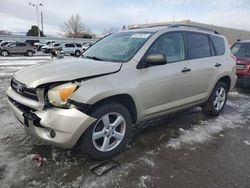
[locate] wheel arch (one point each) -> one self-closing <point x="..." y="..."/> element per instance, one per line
<point x="123" y="99"/>
<point x="227" y="80"/>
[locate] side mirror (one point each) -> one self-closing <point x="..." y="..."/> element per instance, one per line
<point x="156" y="59"/>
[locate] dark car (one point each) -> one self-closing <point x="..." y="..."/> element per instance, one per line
<point x="241" y="50"/>
<point x="17" y="48"/>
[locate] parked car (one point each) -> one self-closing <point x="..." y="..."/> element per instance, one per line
<point x="123" y="79"/>
<point x="72" y="49"/>
<point x="86" y="45"/>
<point x="241" y="50"/>
<point x="48" y="47"/>
<point x="50" y="42"/>
<point x="17" y="48"/>
<point x="35" y="43"/>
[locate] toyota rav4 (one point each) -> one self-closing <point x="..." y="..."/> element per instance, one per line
<point x="123" y="79"/>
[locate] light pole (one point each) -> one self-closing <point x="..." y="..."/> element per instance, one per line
<point x="37" y="15"/>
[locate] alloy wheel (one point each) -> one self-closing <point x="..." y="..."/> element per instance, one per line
<point x="220" y="98"/>
<point x="109" y="131"/>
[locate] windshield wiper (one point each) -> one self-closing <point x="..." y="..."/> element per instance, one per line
<point x="93" y="57"/>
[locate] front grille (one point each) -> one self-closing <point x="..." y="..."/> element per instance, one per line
<point x="20" y="106"/>
<point x="23" y="90"/>
<point x="240" y="66"/>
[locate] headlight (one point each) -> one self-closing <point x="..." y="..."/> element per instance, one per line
<point x="59" y="95"/>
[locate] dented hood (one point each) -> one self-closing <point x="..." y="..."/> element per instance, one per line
<point x="64" y="70"/>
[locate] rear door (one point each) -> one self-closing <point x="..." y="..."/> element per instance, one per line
<point x="20" y="47"/>
<point x="69" y="48"/>
<point x="203" y="64"/>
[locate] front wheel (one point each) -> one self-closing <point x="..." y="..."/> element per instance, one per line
<point x="109" y="134"/>
<point x="217" y="100"/>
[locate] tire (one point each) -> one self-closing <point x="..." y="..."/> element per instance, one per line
<point x="29" y="53"/>
<point x="95" y="146"/>
<point x="5" y="53"/>
<point x="77" y="53"/>
<point x="217" y="100"/>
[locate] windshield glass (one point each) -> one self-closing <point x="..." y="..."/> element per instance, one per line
<point x="118" y="47"/>
<point x="241" y="49"/>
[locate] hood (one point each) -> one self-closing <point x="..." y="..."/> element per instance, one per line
<point x="243" y="60"/>
<point x="64" y="70"/>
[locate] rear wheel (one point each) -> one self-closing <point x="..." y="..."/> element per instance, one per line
<point x="77" y="53"/>
<point x="109" y="134"/>
<point x="217" y="100"/>
<point x="4" y="53"/>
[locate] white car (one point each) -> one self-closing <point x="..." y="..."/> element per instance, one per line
<point x="49" y="46"/>
<point x="72" y="49"/>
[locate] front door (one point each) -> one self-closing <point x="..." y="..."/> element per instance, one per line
<point x="165" y="87"/>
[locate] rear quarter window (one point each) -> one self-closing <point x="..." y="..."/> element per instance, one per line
<point x="219" y="44"/>
<point x="197" y="45"/>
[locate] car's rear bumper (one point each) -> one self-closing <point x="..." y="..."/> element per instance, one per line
<point x="61" y="127"/>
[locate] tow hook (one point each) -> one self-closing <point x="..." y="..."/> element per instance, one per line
<point x="29" y="116"/>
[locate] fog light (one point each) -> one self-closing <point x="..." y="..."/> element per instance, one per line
<point x="52" y="133"/>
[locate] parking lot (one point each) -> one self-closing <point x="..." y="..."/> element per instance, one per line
<point x="187" y="149"/>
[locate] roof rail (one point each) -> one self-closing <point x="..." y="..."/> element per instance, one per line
<point x="149" y="26"/>
<point x="193" y="26"/>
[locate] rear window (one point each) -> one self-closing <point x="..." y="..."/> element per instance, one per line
<point x="219" y="44"/>
<point x="197" y="45"/>
<point x="241" y="49"/>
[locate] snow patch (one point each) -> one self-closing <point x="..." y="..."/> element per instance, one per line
<point x="204" y="132"/>
<point x="143" y="180"/>
<point x="247" y="142"/>
<point x="148" y="161"/>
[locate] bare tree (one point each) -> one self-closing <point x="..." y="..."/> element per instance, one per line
<point x="74" y="27"/>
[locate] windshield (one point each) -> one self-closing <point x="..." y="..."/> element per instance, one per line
<point x="118" y="47"/>
<point x="241" y="49"/>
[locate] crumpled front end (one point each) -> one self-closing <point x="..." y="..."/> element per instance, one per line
<point x="61" y="127"/>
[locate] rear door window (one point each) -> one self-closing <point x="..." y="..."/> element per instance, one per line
<point x="197" y="45"/>
<point x="69" y="45"/>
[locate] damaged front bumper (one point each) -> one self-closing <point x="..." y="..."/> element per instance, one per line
<point x="61" y="127"/>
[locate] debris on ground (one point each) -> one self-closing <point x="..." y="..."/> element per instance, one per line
<point x="105" y="167"/>
<point x="38" y="159"/>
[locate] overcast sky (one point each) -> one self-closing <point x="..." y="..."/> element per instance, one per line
<point x="18" y="16"/>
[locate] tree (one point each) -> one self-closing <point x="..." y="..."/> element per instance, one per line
<point x="75" y="28"/>
<point x="3" y="32"/>
<point x="33" y="31"/>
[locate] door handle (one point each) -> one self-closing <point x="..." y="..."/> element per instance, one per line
<point x="185" y="70"/>
<point x="217" y="65"/>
